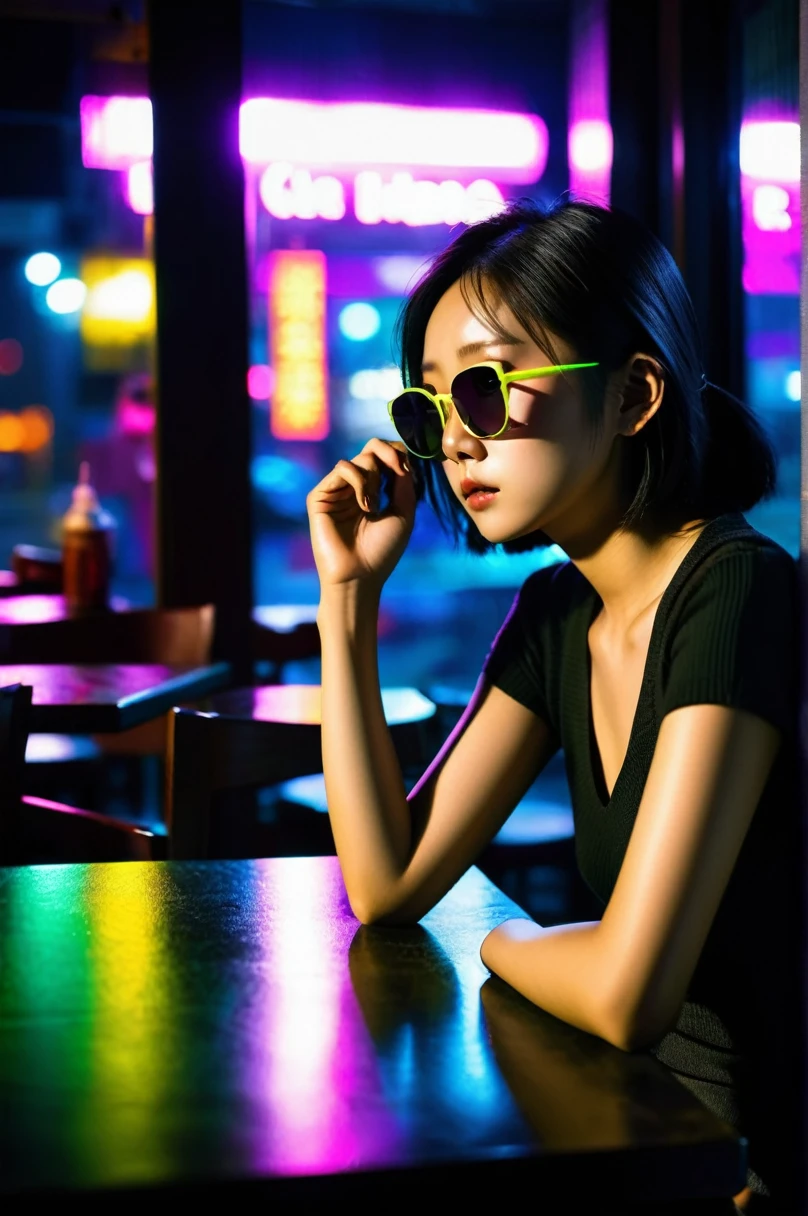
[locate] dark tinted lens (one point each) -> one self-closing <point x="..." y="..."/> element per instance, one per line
<point x="478" y="399"/>
<point x="419" y="423"/>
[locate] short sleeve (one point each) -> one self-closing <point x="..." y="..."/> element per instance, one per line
<point x="735" y="640"/>
<point x="518" y="660"/>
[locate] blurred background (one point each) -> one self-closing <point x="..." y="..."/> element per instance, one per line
<point x="344" y="208"/>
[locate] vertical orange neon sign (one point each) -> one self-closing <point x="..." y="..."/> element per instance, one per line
<point x="298" y="344"/>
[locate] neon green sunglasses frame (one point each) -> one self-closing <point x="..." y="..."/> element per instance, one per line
<point x="444" y="401"/>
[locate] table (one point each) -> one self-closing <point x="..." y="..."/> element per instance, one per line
<point x="299" y="704"/>
<point x="37" y="609"/>
<point x="98" y="698"/>
<point x="179" y="1025"/>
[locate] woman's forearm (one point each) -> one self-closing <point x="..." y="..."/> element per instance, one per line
<point x="367" y="802"/>
<point x="561" y="969"/>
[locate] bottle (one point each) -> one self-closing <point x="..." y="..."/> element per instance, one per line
<point x="87" y="548"/>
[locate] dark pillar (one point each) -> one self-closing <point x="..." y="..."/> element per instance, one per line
<point x="203" y="421"/>
<point x="634" y="109"/>
<point x="675" y="104"/>
<point x="711" y="65"/>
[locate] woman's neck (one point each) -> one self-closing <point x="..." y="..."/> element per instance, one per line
<point x="630" y="568"/>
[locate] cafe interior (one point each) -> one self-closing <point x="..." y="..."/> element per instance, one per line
<point x="210" y="217"/>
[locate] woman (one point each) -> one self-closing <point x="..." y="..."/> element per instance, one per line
<point x="556" y="394"/>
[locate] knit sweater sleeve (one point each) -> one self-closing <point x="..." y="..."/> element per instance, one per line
<point x="734" y="640"/>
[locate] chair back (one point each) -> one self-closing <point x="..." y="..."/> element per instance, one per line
<point x="15" y="708"/>
<point x="174" y="636"/>
<point x="35" y="830"/>
<point x="210" y="754"/>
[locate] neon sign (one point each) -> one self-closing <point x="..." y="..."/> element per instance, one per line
<point x="290" y="193"/>
<point x="354" y="135"/>
<point x="770" y="206"/>
<point x="116" y="132"/>
<point x="299" y="407"/>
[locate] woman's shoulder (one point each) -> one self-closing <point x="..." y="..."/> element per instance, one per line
<point x="733" y="563"/>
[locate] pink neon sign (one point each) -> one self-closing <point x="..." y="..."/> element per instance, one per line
<point x="770" y="206"/>
<point x="397" y="198"/>
<point x="354" y="135"/>
<point x="116" y="132"/>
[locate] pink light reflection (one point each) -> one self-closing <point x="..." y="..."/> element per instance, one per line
<point x="315" y="1061"/>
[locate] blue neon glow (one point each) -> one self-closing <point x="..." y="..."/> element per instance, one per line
<point x="359" y="321"/>
<point x="793" y="386"/>
<point x="42" y="269"/>
<point x="66" y="295"/>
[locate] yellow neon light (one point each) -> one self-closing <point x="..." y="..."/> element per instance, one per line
<point x="119" y="312"/>
<point x="297" y="282"/>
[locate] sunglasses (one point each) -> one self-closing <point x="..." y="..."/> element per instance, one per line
<point x="480" y="398"/>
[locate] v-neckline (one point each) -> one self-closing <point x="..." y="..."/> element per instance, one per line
<point x="595" y="771"/>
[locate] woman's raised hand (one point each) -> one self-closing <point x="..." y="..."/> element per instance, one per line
<point x="353" y="540"/>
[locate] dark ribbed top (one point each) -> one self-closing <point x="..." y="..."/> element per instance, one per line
<point x="725" y="633"/>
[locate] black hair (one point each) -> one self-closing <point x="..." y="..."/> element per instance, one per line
<point x="605" y="284"/>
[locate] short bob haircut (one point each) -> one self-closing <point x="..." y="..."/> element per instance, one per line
<point x="604" y="284"/>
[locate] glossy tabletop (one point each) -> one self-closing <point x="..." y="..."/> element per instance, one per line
<point x="301" y="703"/>
<point x="182" y="1024"/>
<point x="42" y="609"/>
<point x="101" y="697"/>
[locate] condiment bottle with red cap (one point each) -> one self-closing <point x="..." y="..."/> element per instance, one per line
<point x="88" y="533"/>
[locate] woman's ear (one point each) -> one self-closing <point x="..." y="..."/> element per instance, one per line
<point x="641" y="395"/>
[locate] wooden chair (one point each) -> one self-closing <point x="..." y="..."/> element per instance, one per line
<point x="281" y="634"/>
<point x="260" y="737"/>
<point x="37" y="830"/>
<point x="209" y="755"/>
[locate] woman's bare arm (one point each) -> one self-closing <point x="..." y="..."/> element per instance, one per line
<point x="399" y="856"/>
<point x="625" y="977"/>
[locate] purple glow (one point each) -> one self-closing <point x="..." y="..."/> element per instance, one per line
<point x="140" y="188"/>
<point x="770" y="206"/>
<point x="348" y="136"/>
<point x="115" y="131"/>
<point x="589" y="141"/>
<point x="590" y="146"/>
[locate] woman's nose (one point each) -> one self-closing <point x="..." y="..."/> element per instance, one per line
<point x="458" y="444"/>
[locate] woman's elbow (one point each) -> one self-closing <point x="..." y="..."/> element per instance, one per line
<point x="372" y="911"/>
<point x="637" y="1029"/>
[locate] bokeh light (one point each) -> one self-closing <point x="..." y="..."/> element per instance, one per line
<point x="12" y="432"/>
<point x="66" y="295"/>
<point x="10" y="356"/>
<point x="359" y="321"/>
<point x="794" y="386"/>
<point x="260" y="382"/>
<point x="42" y="269"/>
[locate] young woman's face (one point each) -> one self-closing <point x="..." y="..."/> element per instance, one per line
<point x="551" y="469"/>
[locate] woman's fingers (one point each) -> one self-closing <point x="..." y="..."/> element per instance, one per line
<point x="361" y="477"/>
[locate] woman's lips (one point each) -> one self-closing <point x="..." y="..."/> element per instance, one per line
<point x="477" y="496"/>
